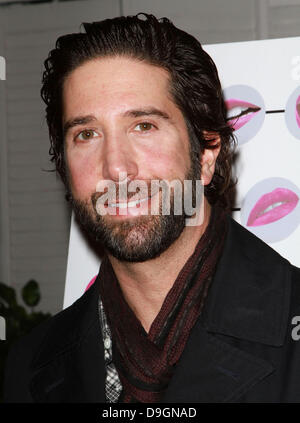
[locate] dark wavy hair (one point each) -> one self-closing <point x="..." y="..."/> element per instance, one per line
<point x="194" y="84"/>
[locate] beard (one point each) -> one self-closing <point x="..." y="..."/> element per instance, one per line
<point x="140" y="238"/>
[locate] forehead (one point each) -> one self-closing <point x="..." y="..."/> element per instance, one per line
<point x="115" y="83"/>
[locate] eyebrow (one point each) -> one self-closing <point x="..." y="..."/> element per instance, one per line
<point x="82" y="120"/>
<point x="152" y="111"/>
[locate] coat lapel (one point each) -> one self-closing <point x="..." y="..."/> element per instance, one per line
<point x="250" y="295"/>
<point x="70" y="365"/>
<point x="212" y="371"/>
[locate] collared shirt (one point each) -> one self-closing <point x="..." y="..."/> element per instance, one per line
<point x="113" y="387"/>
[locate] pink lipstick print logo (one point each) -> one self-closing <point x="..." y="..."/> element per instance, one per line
<point x="297" y="111"/>
<point x="271" y="209"/>
<point x="245" y="111"/>
<point x="91" y="282"/>
<point x="292" y="113"/>
<point x="240" y="112"/>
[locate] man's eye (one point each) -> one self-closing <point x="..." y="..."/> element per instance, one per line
<point x="86" y="135"/>
<point x="144" y="126"/>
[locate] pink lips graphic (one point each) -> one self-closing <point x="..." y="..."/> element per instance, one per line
<point x="297" y="111"/>
<point x="241" y="118"/>
<point x="266" y="210"/>
<point x="90" y="283"/>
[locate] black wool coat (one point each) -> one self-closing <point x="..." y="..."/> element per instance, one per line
<point x="241" y="349"/>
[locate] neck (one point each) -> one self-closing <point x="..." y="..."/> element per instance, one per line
<point x="146" y="284"/>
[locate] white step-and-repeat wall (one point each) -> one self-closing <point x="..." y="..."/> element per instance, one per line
<point x="261" y="82"/>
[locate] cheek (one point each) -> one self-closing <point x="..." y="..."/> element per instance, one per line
<point x="82" y="175"/>
<point x="171" y="162"/>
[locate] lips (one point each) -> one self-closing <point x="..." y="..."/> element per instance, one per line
<point x="240" y="112"/>
<point x="135" y="206"/>
<point x="297" y="111"/>
<point x="125" y="205"/>
<point x="130" y="208"/>
<point x="272" y="207"/>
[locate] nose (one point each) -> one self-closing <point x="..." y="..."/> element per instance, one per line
<point x="118" y="157"/>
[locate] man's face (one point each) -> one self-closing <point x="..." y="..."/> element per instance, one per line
<point x="119" y="117"/>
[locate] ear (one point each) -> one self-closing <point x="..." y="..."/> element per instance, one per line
<point x="209" y="157"/>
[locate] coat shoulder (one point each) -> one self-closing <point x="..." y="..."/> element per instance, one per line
<point x="252" y="246"/>
<point x="25" y="352"/>
<point x="250" y="297"/>
<point x="265" y="257"/>
<point x="295" y="295"/>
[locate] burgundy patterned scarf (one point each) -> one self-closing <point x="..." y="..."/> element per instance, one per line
<point x="145" y="362"/>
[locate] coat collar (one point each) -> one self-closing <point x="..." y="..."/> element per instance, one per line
<point x="248" y="299"/>
<point x="250" y="295"/>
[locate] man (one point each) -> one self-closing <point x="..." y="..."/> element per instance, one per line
<point x="179" y="312"/>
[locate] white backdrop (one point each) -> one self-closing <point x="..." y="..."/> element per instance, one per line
<point x="265" y="76"/>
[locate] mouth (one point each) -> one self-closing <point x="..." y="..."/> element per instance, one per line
<point x="298" y="111"/>
<point x="128" y="204"/>
<point x="131" y="208"/>
<point x="240" y="112"/>
<point x="272" y="207"/>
